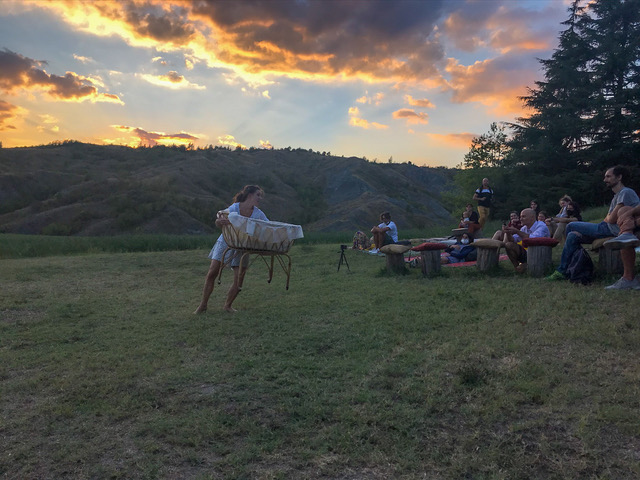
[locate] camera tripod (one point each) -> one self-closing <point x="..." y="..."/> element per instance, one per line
<point x="343" y="258"/>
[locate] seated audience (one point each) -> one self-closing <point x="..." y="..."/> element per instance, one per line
<point x="533" y="205"/>
<point x="542" y="216"/>
<point x="629" y="222"/>
<point x="385" y="233"/>
<point x="514" y="222"/>
<point x="531" y="228"/>
<point x="586" y="232"/>
<point x="558" y="225"/>
<point x="470" y="219"/>
<point x="462" y="251"/>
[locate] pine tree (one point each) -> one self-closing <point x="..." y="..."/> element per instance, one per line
<point x="586" y="112"/>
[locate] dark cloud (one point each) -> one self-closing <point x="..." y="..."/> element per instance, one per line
<point x="7" y="113"/>
<point x="381" y="39"/>
<point x="18" y="71"/>
<point x="161" y="25"/>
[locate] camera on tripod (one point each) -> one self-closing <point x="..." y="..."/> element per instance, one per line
<point x="343" y="258"/>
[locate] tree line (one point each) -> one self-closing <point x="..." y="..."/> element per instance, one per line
<point x="585" y="115"/>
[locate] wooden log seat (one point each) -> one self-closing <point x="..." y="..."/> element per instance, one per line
<point x="395" y="257"/>
<point x="430" y="256"/>
<point x="539" y="252"/>
<point x="488" y="253"/>
<point x="609" y="260"/>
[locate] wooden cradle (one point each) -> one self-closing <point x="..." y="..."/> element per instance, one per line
<point x="268" y="243"/>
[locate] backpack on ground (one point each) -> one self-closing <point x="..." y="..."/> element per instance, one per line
<point x="580" y="269"/>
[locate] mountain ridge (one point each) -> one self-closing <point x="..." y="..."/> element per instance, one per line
<point x="84" y="189"/>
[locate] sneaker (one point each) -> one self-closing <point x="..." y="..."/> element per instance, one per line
<point x="555" y="276"/>
<point x="624" y="284"/>
<point x="637" y="279"/>
<point x="374" y="251"/>
<point x="521" y="268"/>
<point x="624" y="240"/>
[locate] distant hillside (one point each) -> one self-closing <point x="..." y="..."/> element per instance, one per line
<point x="83" y="189"/>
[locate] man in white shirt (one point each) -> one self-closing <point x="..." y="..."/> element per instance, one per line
<point x="531" y="228"/>
<point x="384" y="234"/>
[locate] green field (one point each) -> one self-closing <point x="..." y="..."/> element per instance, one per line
<point x="106" y="373"/>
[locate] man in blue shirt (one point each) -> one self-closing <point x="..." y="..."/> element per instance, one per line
<point x="585" y="232"/>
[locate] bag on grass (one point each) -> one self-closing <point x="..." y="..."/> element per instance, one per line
<point x="361" y="241"/>
<point x="580" y="269"/>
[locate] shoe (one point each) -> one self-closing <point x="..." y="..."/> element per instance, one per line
<point x="521" y="268"/>
<point x="374" y="251"/>
<point x="555" y="276"/>
<point x="637" y="279"/>
<point x="624" y="240"/>
<point x="624" y="284"/>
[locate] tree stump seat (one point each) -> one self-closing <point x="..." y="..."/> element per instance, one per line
<point x="394" y="255"/>
<point x="430" y="255"/>
<point x="609" y="260"/>
<point x="488" y="253"/>
<point x="539" y="251"/>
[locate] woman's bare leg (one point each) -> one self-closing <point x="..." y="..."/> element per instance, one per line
<point x="209" y="282"/>
<point x="236" y="287"/>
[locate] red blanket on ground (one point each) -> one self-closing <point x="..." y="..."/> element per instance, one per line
<point x="459" y="264"/>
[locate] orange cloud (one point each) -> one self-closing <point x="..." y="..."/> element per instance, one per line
<point x="18" y="72"/>
<point x="411" y="116"/>
<point x="151" y="139"/>
<point x="266" y="144"/>
<point x="415" y="102"/>
<point x="229" y="141"/>
<point x="171" y="80"/>
<point x="8" y="113"/>
<point x="495" y="83"/>
<point x="349" y="40"/>
<point x="356" y="121"/>
<point x="503" y="29"/>
<point x="456" y="140"/>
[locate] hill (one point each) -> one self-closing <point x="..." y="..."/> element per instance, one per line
<point x="82" y="189"/>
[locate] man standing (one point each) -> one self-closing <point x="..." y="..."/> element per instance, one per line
<point x="531" y="228"/>
<point x="483" y="195"/>
<point x="384" y="234"/>
<point x="585" y="232"/>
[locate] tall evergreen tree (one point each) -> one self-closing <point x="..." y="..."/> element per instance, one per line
<point x="586" y="112"/>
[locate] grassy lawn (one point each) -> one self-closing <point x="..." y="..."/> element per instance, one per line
<point x="105" y="372"/>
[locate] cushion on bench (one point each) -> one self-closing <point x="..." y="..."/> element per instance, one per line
<point x="430" y="246"/>
<point x="395" y="248"/>
<point x="539" y="242"/>
<point x="487" y="243"/>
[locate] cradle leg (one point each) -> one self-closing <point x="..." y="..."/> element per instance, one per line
<point x="270" y="270"/>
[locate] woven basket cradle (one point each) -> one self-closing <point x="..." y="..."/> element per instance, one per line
<point x="242" y="241"/>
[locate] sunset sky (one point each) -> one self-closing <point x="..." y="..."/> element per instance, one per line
<point x="414" y="80"/>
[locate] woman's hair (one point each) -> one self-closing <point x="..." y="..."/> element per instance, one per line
<point x="543" y="212"/>
<point x="242" y="195"/>
<point x="575" y="207"/>
<point x="565" y="198"/>
<point x="384" y="215"/>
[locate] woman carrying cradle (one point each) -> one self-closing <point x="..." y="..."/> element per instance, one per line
<point x="246" y="204"/>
